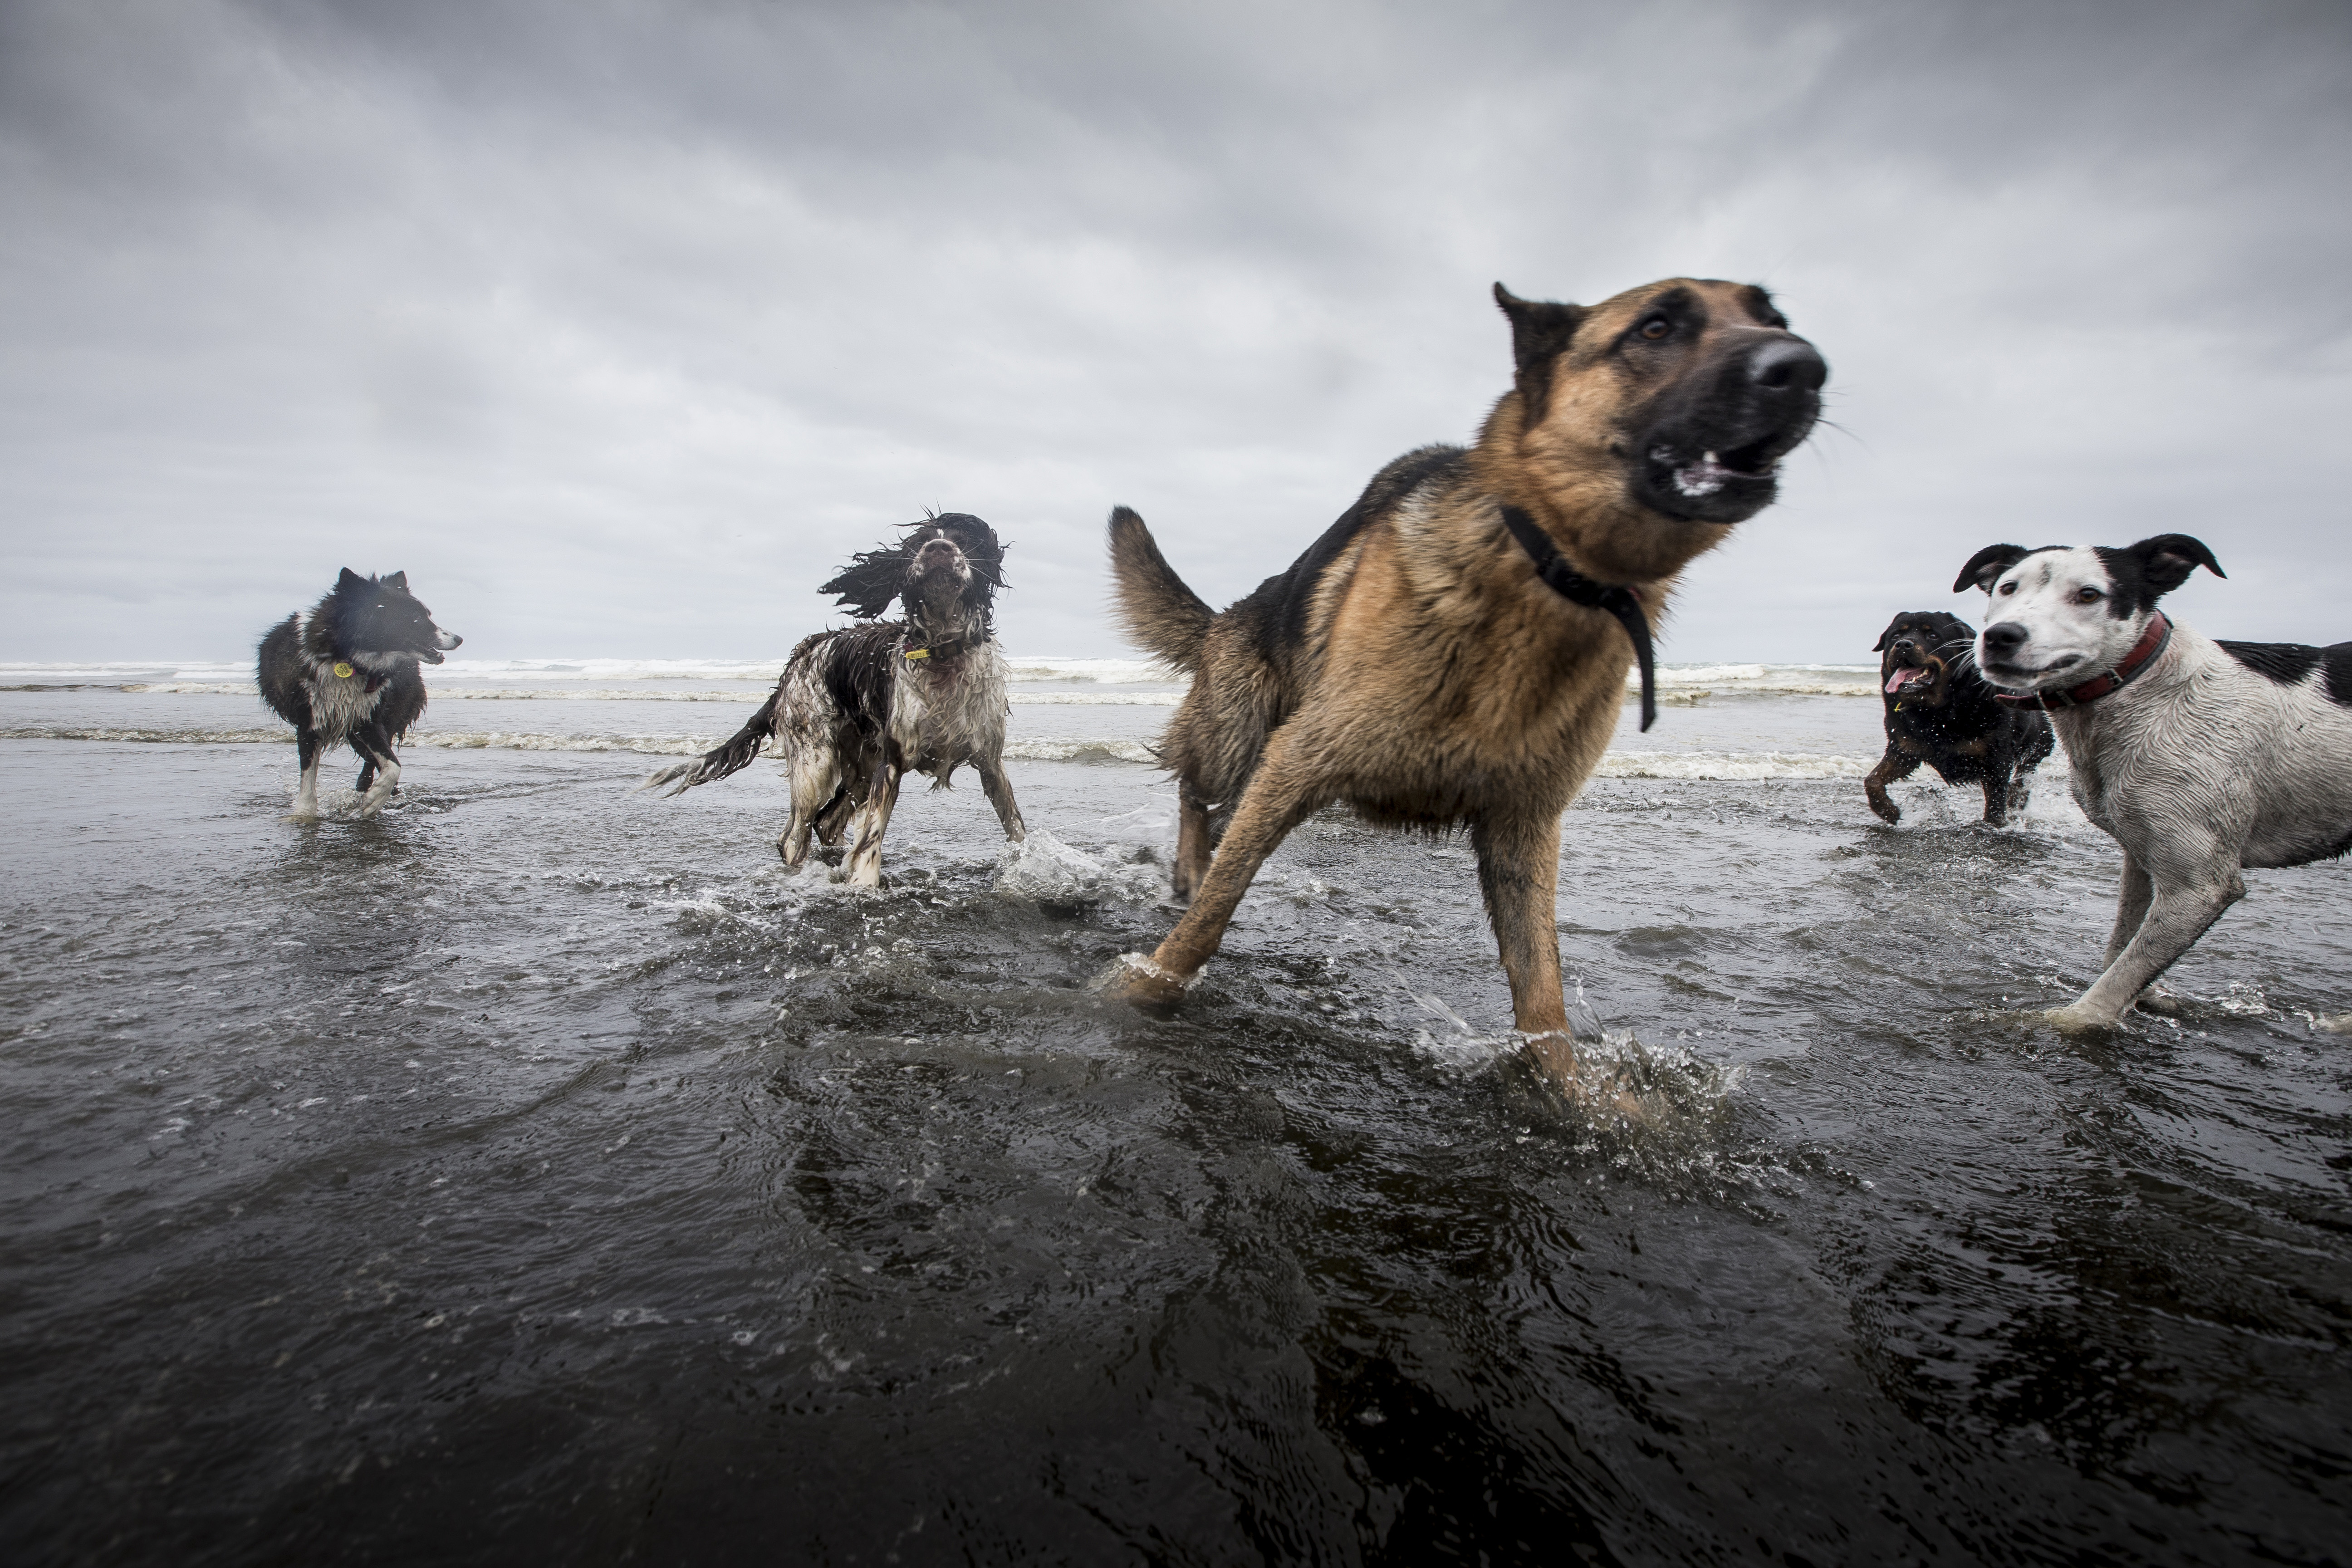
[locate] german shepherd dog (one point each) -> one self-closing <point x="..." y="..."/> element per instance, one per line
<point x="345" y="670"/>
<point x="1940" y="712"/>
<point x="1453" y="649"/>
<point x="859" y="707"/>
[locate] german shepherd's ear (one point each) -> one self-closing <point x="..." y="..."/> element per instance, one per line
<point x="349" y="579"/>
<point x="872" y="579"/>
<point x="1541" y="329"/>
<point x="397" y="580"/>
<point x="2168" y="560"/>
<point x="1985" y="567"/>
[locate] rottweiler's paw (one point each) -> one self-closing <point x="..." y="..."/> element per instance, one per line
<point x="1136" y="978"/>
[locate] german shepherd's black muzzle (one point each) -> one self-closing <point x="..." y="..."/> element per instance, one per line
<point x="1713" y="443"/>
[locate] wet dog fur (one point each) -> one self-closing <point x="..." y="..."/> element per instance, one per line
<point x="1940" y="712"/>
<point x="860" y="707"/>
<point x="1412" y="663"/>
<point x="345" y="671"/>
<point x="2211" y="757"/>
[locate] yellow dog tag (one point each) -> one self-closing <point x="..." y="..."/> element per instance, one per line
<point x="342" y="670"/>
<point x="918" y="653"/>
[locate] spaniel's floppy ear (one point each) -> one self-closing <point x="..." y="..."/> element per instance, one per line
<point x="1985" y="567"/>
<point x="872" y="579"/>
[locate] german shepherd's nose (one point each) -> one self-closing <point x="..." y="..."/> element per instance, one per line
<point x="1788" y="365"/>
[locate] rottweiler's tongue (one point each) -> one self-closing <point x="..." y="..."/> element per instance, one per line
<point x="1903" y="678"/>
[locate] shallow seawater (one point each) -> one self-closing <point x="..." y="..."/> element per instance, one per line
<point x="539" y="1170"/>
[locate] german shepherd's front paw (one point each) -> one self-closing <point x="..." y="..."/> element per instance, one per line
<point x="1136" y="978"/>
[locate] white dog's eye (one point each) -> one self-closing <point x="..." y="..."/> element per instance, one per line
<point x="2087" y="595"/>
<point x="2009" y="587"/>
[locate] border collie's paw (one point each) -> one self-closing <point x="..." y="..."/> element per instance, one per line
<point x="1134" y="978"/>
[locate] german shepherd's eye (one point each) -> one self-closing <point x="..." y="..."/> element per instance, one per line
<point x="2087" y="594"/>
<point x="1655" y="329"/>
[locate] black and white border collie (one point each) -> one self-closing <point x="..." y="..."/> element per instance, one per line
<point x="860" y="707"/>
<point x="346" y="671"/>
<point x="2200" y="757"/>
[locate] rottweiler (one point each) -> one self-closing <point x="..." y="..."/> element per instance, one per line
<point x="1940" y="712"/>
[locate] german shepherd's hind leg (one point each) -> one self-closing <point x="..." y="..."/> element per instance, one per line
<point x="862" y="867"/>
<point x="306" y="800"/>
<point x="1194" y="848"/>
<point x="999" y="789"/>
<point x="1283" y="794"/>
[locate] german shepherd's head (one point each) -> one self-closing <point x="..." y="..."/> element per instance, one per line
<point x="1671" y="405"/>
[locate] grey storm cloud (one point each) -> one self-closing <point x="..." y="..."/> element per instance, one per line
<point x="618" y="325"/>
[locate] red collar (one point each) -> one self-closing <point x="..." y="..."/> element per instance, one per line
<point x="2151" y="643"/>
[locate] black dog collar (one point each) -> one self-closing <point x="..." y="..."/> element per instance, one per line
<point x="2143" y="654"/>
<point x="1579" y="589"/>
<point x="935" y="650"/>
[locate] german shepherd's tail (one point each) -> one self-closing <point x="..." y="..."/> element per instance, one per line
<point x="1154" y="606"/>
<point x="732" y="757"/>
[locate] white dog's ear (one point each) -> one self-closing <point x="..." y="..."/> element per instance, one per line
<point x="1985" y="567"/>
<point x="2168" y="560"/>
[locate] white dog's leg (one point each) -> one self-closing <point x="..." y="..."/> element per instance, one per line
<point x="2131" y="908"/>
<point x="864" y="865"/>
<point x="2176" y="918"/>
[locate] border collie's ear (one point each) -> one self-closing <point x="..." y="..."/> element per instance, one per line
<point x="2168" y="560"/>
<point x="867" y="585"/>
<point x="1987" y="565"/>
<point x="397" y="580"/>
<point x="349" y="579"/>
<point x="1880" y="646"/>
<point x="1540" y="329"/>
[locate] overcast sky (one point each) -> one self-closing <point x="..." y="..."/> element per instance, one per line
<point x="618" y="325"/>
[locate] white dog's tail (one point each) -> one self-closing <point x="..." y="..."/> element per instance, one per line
<point x="732" y="757"/>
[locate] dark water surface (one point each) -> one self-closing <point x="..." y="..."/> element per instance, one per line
<point x="537" y="1172"/>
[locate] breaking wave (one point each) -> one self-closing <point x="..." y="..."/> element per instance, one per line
<point x="1717" y="765"/>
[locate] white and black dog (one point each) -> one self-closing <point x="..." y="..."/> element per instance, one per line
<point x="860" y="707"/>
<point x="2200" y="757"/>
<point x="345" y="670"/>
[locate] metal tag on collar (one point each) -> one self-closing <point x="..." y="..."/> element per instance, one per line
<point x="342" y="670"/>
